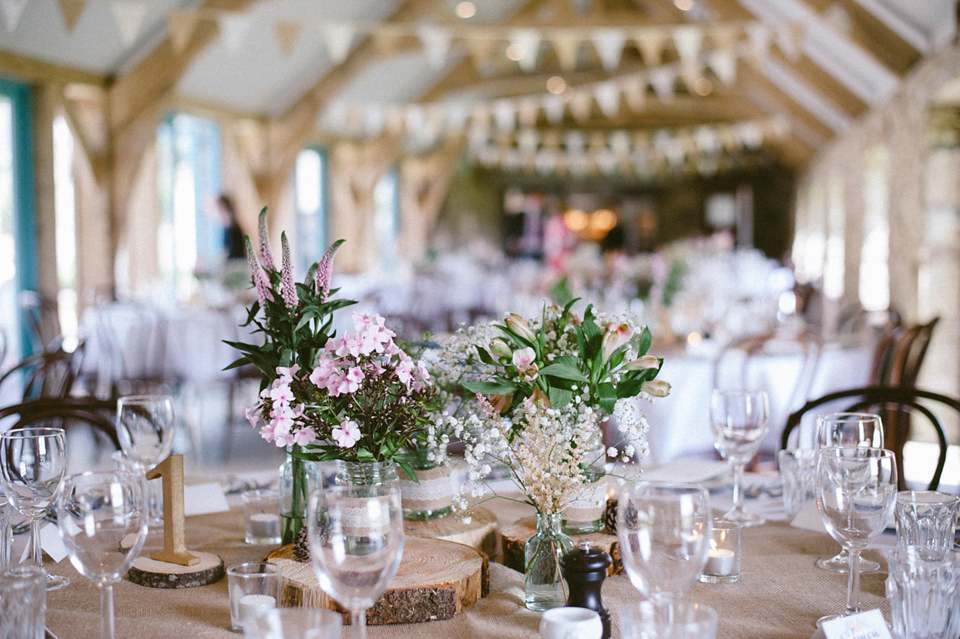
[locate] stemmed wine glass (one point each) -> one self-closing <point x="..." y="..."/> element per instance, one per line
<point x="33" y="461"/>
<point x="356" y="543"/>
<point x="739" y="420"/>
<point x="851" y="430"/>
<point x="103" y="521"/>
<point x="664" y="535"/>
<point x="856" y="490"/>
<point x="146" y="428"/>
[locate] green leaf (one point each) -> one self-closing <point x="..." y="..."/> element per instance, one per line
<point x="643" y="344"/>
<point x="559" y="397"/>
<point x="491" y="388"/>
<point x="564" y="367"/>
<point x="629" y="388"/>
<point x="485" y="357"/>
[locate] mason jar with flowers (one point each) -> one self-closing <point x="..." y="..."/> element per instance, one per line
<point x="550" y="382"/>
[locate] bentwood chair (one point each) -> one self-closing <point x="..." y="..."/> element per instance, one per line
<point x="48" y="373"/>
<point x="66" y="413"/>
<point x="897" y="406"/>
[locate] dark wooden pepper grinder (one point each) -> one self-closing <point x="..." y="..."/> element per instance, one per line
<point x="584" y="569"/>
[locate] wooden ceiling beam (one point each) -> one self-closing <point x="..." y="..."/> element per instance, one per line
<point x="879" y="40"/>
<point x="826" y="84"/>
<point x="775" y="101"/>
<point x="38" y="71"/>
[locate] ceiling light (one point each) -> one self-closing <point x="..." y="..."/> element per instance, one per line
<point x="556" y="85"/>
<point x="683" y="5"/>
<point x="514" y="52"/>
<point x="466" y="10"/>
<point x="703" y="86"/>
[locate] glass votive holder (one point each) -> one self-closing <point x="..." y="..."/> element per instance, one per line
<point x="680" y="620"/>
<point x="924" y="593"/>
<point x="797" y="468"/>
<point x="294" y="623"/>
<point x="723" y="558"/>
<point x="253" y="587"/>
<point x="261" y="516"/>
<point x="23" y="604"/>
<point x="926" y="519"/>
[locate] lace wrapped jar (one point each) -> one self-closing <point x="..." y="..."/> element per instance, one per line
<point x="366" y="473"/>
<point x="584" y="514"/>
<point x="429" y="493"/>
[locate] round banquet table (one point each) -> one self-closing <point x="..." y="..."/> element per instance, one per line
<point x="779" y="596"/>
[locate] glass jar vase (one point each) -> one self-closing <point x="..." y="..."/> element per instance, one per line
<point x="544" y="587"/>
<point x="297" y="478"/>
<point x="584" y="514"/>
<point x="366" y="473"/>
<point x="429" y="493"/>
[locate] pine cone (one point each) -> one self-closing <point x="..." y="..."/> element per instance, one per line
<point x="610" y="516"/>
<point x="301" y="549"/>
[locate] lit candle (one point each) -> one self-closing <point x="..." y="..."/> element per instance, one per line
<point x="719" y="561"/>
<point x="264" y="526"/>
<point x="250" y="605"/>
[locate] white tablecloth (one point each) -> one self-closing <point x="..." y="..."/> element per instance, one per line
<point x="680" y="422"/>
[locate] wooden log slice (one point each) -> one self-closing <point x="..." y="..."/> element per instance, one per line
<point x="514" y="538"/>
<point x="436" y="580"/>
<point x="161" y="574"/>
<point x="480" y="532"/>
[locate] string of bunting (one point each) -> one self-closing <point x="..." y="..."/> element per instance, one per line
<point x="440" y="42"/>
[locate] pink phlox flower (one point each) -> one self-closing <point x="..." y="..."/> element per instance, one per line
<point x="252" y="413"/>
<point x="281" y="393"/>
<point x="304" y="436"/>
<point x="422" y="371"/>
<point x="265" y="393"/>
<point x="288" y="373"/>
<point x="321" y="373"/>
<point x="375" y="368"/>
<point x="346" y="434"/>
<point x="350" y="346"/>
<point x="287" y="288"/>
<point x="266" y="255"/>
<point x="404" y="372"/>
<point x="349" y="382"/>
<point x="355" y="375"/>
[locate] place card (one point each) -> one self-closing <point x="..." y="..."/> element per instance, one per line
<point x="809" y="518"/>
<point x="864" y="625"/>
<point x="203" y="499"/>
<point x="50" y="542"/>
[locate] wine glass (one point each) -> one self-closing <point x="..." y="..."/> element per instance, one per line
<point x="103" y="521"/>
<point x="356" y="543"/>
<point x="33" y="461"/>
<point x="849" y="430"/>
<point x="856" y="490"/>
<point x="146" y="429"/>
<point x="664" y="535"/>
<point x="739" y="419"/>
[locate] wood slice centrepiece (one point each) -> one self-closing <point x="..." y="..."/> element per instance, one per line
<point x="479" y="533"/>
<point x="436" y="580"/>
<point x="515" y="538"/>
<point x="161" y="574"/>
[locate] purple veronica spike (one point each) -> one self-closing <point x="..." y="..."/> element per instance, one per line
<point x="325" y="269"/>
<point x="259" y="280"/>
<point x="266" y="255"/>
<point x="287" y="287"/>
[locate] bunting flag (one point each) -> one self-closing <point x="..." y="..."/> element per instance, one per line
<point x="609" y="45"/>
<point x="233" y="29"/>
<point x="129" y="17"/>
<point x="528" y="42"/>
<point x="287" y="32"/>
<point x="607" y="95"/>
<point x="663" y="80"/>
<point x="724" y="64"/>
<point x="182" y="25"/>
<point x="651" y="47"/>
<point x="436" y="44"/>
<point x="12" y="11"/>
<point x="567" y="47"/>
<point x="553" y="108"/>
<point x="688" y="40"/>
<point x="71" y="10"/>
<point x="505" y="115"/>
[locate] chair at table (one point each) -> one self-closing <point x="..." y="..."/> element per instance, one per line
<point x="46" y="374"/>
<point x="42" y="317"/>
<point x="900" y="353"/>
<point x="897" y="405"/>
<point x="66" y="413"/>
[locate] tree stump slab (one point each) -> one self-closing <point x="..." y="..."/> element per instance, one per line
<point x="161" y="574"/>
<point x="514" y="538"/>
<point x="479" y="533"/>
<point x="437" y="579"/>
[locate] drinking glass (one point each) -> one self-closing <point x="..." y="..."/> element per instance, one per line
<point x="356" y="543"/>
<point x="642" y="620"/>
<point x="103" y="521"/>
<point x="664" y="535"/>
<point x="146" y="428"/>
<point x="848" y="430"/>
<point x="739" y="420"/>
<point x="856" y="490"/>
<point x="32" y="464"/>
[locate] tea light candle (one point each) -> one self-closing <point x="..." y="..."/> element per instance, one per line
<point x="719" y="562"/>
<point x="250" y="605"/>
<point x="264" y="525"/>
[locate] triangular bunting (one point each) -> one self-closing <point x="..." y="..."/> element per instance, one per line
<point x="339" y="38"/>
<point x="287" y="32"/>
<point x="651" y="45"/>
<point x="691" y="75"/>
<point x="182" y="23"/>
<point x="688" y="41"/>
<point x="566" y="47"/>
<point x="663" y="81"/>
<point x="436" y="44"/>
<point x="580" y="103"/>
<point x="724" y="64"/>
<point x="233" y="29"/>
<point x="12" y="11"/>
<point x="505" y="115"/>
<point x="129" y="17"/>
<point x="553" y="107"/>
<point x="71" y="10"/>
<point x="609" y="46"/>
<point x="607" y="95"/>
<point x="528" y="41"/>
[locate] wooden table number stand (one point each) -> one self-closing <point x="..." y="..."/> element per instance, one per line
<point x="174" y="566"/>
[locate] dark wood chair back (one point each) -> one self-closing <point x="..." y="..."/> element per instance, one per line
<point x="66" y="413"/>
<point x="897" y="405"/>
<point x="48" y="373"/>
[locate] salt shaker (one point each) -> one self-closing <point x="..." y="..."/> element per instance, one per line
<point x="584" y="569"/>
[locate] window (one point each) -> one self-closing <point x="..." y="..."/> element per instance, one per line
<point x="310" y="192"/>
<point x="386" y="218"/>
<point x="190" y="239"/>
<point x="875" y="256"/>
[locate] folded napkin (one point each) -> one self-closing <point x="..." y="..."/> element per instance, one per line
<point x="693" y="471"/>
